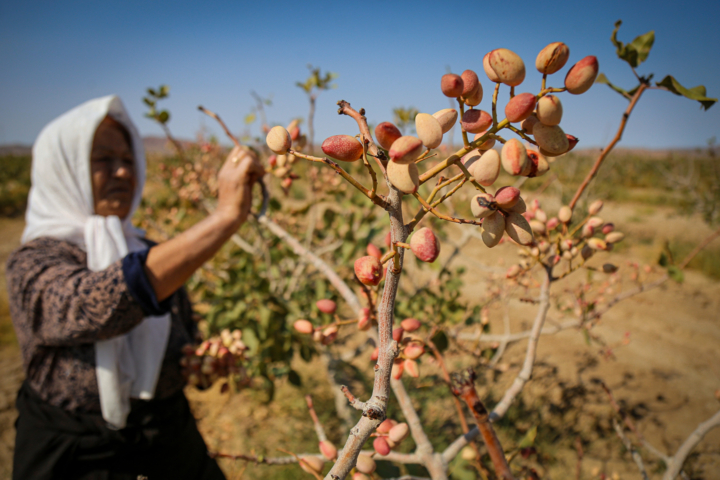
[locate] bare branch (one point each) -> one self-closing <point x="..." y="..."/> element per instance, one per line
<point x="634" y="453"/>
<point x="677" y="460"/>
<point x="375" y="408"/>
<point x="522" y="378"/>
<point x="337" y="282"/>
<point x="629" y="423"/>
<point x="464" y="388"/>
<point x="354" y="402"/>
<point x="593" y="171"/>
<point x="524" y="375"/>
<point x="260" y="459"/>
<point x="416" y="429"/>
<point x="319" y="430"/>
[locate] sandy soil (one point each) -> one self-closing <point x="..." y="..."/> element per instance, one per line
<point x="665" y="377"/>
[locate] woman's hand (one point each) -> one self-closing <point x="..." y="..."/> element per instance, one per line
<point x="235" y="181"/>
<point x="171" y="263"/>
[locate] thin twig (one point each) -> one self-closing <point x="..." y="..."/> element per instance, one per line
<point x="522" y="377"/>
<point x="376" y="199"/>
<point x="354" y="402"/>
<point x="699" y="247"/>
<point x="464" y="388"/>
<point x="634" y="453"/>
<point x="222" y="124"/>
<point x="314" y="472"/>
<point x="319" y="430"/>
<point x="593" y="171"/>
<point x="442" y="216"/>
<point x="422" y="441"/>
<point x="343" y="289"/>
<point x="677" y="460"/>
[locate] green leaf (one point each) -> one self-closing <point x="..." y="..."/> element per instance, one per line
<point x="250" y="340"/>
<point x="164" y="91"/>
<point x="294" y="378"/>
<point x="603" y="79"/>
<point x="250" y="118"/>
<point x="441" y="341"/>
<point x="152" y="92"/>
<point x="529" y="439"/>
<point x="163" y="116"/>
<point x="696" y="93"/>
<point x="642" y="45"/>
<point x="676" y="274"/>
<point x="636" y="51"/>
<point x="586" y="334"/>
<point x="148" y="102"/>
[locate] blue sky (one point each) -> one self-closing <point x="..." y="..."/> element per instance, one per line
<point x="55" y="55"/>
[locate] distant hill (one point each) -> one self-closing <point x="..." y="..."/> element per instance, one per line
<point x="15" y="150"/>
<point x="153" y="145"/>
<point x="160" y="145"/>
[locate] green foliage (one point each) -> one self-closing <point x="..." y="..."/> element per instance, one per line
<point x="161" y="116"/>
<point x="14" y="184"/>
<point x="698" y="93"/>
<point x="438" y="304"/>
<point x="317" y="81"/>
<point x="627" y="94"/>
<point x="635" y="52"/>
<point x="404" y="117"/>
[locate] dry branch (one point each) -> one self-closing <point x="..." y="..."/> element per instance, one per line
<point x="522" y="378"/>
<point x="633" y="452"/>
<point x="337" y="282"/>
<point x="677" y="460"/>
<point x="609" y="147"/>
<point x="464" y="388"/>
<point x="376" y="407"/>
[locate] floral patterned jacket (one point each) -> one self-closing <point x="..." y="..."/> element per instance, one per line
<point x="59" y="310"/>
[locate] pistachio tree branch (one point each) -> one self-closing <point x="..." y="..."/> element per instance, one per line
<point x="376" y="199"/>
<point x="319" y="430"/>
<point x="494" y="104"/>
<point x="677" y="460"/>
<point x="522" y="377"/>
<point x="593" y="171"/>
<point x="359" y="117"/>
<point x="416" y="429"/>
<point x="343" y="289"/>
<point x="222" y="124"/>
<point x="460" y="178"/>
<point x="464" y="387"/>
<point x="354" y="402"/>
<point x="376" y="407"/>
<point x="442" y="216"/>
<point x="462" y="129"/>
<point x="395" y="457"/>
<point x="263" y="460"/>
<point x="633" y="452"/>
<point x="521" y="134"/>
<point x="631" y="425"/>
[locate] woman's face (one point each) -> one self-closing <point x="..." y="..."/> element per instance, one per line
<point x="112" y="169"/>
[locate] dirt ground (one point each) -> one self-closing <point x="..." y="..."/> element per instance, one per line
<point x="666" y="376"/>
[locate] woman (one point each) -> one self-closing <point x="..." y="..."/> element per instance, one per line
<point x="100" y="314"/>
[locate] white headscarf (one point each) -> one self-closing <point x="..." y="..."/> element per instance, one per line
<point x="60" y="205"/>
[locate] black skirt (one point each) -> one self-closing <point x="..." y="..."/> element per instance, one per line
<point x="161" y="441"/>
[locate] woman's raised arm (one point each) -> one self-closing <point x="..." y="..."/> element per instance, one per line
<point x="171" y="263"/>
